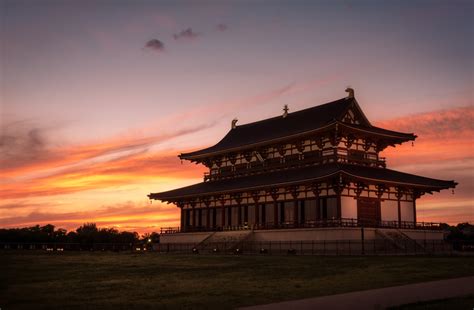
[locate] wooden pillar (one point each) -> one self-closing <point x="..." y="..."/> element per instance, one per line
<point x="221" y="199"/>
<point x="257" y="214"/>
<point x="229" y="216"/>
<point x="238" y="200"/>
<point x="239" y="214"/>
<point x="399" y="195"/>
<point x="208" y="215"/>
<point x="415" y="196"/>
<point x="273" y="192"/>
<point x="183" y="217"/>
<point x="256" y="197"/>
<point x="223" y="214"/>
<point x="295" y="212"/>
<point x="338" y="188"/>
<point x="193" y="217"/>
<point x="315" y="188"/>
<point x="339" y="207"/>
<point x="293" y="190"/>
<point x="275" y="213"/>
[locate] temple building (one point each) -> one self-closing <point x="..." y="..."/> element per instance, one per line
<point x="318" y="167"/>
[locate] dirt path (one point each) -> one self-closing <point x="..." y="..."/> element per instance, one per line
<point x="381" y="298"/>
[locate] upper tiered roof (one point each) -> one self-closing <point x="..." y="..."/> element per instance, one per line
<point x="296" y="124"/>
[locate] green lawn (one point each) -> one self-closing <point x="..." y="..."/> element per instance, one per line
<point x="122" y="280"/>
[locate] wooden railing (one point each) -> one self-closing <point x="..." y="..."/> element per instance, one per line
<point x="230" y="172"/>
<point x="343" y="222"/>
<point x="169" y="230"/>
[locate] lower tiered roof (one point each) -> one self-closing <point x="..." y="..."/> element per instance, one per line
<point x="304" y="175"/>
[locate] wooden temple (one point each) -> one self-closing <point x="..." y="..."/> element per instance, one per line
<point x="318" y="167"/>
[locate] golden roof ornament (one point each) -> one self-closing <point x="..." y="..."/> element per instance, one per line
<point x="350" y="92"/>
<point x="234" y="123"/>
<point x="285" y="110"/>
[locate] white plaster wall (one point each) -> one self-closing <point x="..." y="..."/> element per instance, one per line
<point x="348" y="207"/>
<point x="184" y="237"/>
<point x="406" y="208"/>
<point x="389" y="210"/>
<point x="424" y="234"/>
<point x="310" y="234"/>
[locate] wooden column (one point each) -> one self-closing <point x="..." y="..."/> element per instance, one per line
<point x="238" y="199"/>
<point x="338" y="187"/>
<point x="274" y="194"/>
<point x="399" y="195"/>
<point x="416" y="195"/>
<point x="207" y="202"/>
<point x="239" y="214"/>
<point x="182" y="222"/>
<point x="256" y="197"/>
<point x="221" y="199"/>
<point x="294" y="193"/>
<point x="414" y="211"/>
<point x="193" y="217"/>
<point x="223" y="214"/>
<point x="183" y="216"/>
<point x="381" y="189"/>
<point x="315" y="188"/>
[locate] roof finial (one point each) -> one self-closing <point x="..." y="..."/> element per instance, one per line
<point x="285" y="111"/>
<point x="234" y="123"/>
<point x="350" y="92"/>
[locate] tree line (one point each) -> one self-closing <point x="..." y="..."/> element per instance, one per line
<point x="88" y="233"/>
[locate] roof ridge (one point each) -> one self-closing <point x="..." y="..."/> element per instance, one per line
<point x="293" y="113"/>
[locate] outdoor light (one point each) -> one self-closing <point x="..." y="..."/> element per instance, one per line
<point x="263" y="251"/>
<point x="195" y="251"/>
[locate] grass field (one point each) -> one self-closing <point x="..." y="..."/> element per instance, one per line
<point x="36" y="280"/>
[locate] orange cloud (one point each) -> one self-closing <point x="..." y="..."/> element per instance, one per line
<point x="444" y="150"/>
<point x="140" y="217"/>
<point x="442" y="135"/>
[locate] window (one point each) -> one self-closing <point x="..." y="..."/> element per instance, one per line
<point x="328" y="208"/>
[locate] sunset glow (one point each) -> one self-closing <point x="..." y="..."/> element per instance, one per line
<point x="94" y="112"/>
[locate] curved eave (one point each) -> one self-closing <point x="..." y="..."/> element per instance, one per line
<point x="424" y="184"/>
<point x="380" y="132"/>
<point x="210" y="150"/>
<point x="397" y="137"/>
<point x="163" y="197"/>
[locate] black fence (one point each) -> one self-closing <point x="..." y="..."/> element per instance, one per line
<point x="59" y="247"/>
<point x="315" y="247"/>
<point x="333" y="247"/>
<point x="342" y="222"/>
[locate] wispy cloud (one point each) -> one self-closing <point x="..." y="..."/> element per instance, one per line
<point x="221" y="27"/>
<point x="155" y="45"/>
<point x="187" y="34"/>
<point x="60" y="170"/>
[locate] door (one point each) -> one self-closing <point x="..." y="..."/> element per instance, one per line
<point x="368" y="212"/>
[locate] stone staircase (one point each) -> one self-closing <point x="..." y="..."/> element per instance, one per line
<point x="400" y="241"/>
<point x="224" y="241"/>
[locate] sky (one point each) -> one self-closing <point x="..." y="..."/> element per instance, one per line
<point x="98" y="98"/>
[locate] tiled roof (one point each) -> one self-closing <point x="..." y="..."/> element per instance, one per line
<point x="302" y="175"/>
<point x="295" y="123"/>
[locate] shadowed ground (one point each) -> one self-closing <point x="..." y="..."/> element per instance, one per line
<point x="124" y="280"/>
